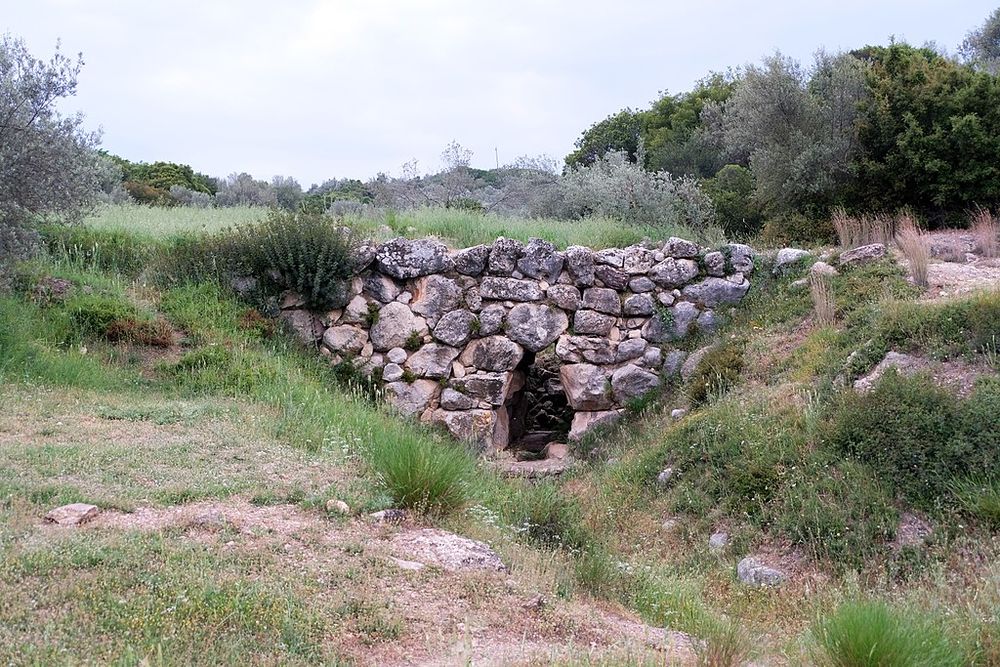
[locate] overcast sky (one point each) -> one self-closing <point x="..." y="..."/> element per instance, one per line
<point x="343" y="88"/>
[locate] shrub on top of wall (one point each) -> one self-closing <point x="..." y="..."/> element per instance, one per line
<point x="307" y="253"/>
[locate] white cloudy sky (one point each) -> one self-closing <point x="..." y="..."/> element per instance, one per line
<point x="336" y="88"/>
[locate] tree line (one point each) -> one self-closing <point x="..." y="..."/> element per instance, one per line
<point x="879" y="128"/>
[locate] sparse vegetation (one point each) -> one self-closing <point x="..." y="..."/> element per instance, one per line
<point x="915" y="248"/>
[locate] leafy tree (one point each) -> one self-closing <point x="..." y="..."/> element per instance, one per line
<point x="673" y="132"/>
<point x="243" y="190"/>
<point x="929" y="133"/>
<point x="732" y="194"/>
<point x="797" y="131"/>
<point x="48" y="165"/>
<point x="981" y="47"/>
<point x="620" y="132"/>
<point x="287" y="192"/>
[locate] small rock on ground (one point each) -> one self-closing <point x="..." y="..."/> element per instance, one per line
<point x="754" y="573"/>
<point x="718" y="541"/>
<point x="388" y="516"/>
<point x="665" y="476"/>
<point x="448" y="551"/>
<point x="73" y="514"/>
<point x="338" y="506"/>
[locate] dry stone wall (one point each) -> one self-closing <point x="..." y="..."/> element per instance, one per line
<point x="453" y="334"/>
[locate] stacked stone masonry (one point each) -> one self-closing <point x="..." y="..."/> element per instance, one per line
<point x="452" y="333"/>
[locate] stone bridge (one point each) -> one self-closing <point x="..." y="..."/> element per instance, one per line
<point x="511" y="342"/>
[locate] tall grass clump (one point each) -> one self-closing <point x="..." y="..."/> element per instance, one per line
<point x="915" y="248"/>
<point x="986" y="230"/>
<point x="163" y="222"/>
<point x="872" y="634"/>
<point x="421" y="473"/>
<point x="854" y="231"/>
<point x="110" y="250"/>
<point x="824" y="302"/>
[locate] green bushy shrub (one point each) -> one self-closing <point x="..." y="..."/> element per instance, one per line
<point x="906" y="430"/>
<point x="717" y="371"/>
<point x="863" y="634"/>
<point x="797" y="228"/>
<point x="307" y="253"/>
<point x="115" y="320"/>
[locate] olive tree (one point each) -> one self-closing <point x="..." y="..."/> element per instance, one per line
<point x="981" y="47"/>
<point x="49" y="167"/>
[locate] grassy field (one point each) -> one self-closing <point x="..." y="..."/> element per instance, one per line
<point x="218" y="447"/>
<point x="458" y="228"/>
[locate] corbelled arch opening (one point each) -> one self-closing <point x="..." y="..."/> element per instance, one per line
<point x="539" y="412"/>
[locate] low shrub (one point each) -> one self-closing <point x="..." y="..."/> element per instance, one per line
<point x="873" y="634"/>
<point x="115" y="320"/>
<point x="544" y="515"/>
<point x="917" y="437"/>
<point x="717" y="371"/>
<point x="796" y="228"/>
<point x="979" y="497"/>
<point x="306" y="253"/>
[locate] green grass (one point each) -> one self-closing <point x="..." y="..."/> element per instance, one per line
<point x="158" y="222"/>
<point x="459" y="228"/>
<point x="872" y="634"/>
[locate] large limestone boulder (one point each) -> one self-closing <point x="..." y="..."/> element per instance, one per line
<point x="434" y="296"/>
<point x="454" y="328"/>
<point x="472" y="261"/>
<point x="638" y="305"/>
<point x="672" y="272"/>
<point x="740" y="258"/>
<point x="566" y="297"/>
<point x="587" y="387"/>
<point x="411" y="398"/>
<point x="432" y="360"/>
<point x="713" y="292"/>
<point x="755" y="573"/>
<point x="535" y="326"/>
<point x="591" y="322"/>
<point x="473" y="426"/>
<point x="675" y="325"/>
<point x="638" y="260"/>
<point x="603" y="300"/>
<point x="541" y="260"/>
<point x="306" y="326"/>
<point x="787" y="259"/>
<point x="630" y="382"/>
<point x="394" y="325"/>
<point x="580" y="265"/>
<point x="493" y="388"/>
<point x="345" y="339"/>
<point x="678" y="247"/>
<point x="404" y="258"/>
<point x="504" y="255"/>
<point x="510" y="289"/>
<point x="491" y="319"/>
<point x="612" y="277"/>
<point x="493" y="353"/>
<point x="584" y="422"/>
<point x="381" y="288"/>
<point x="450" y="552"/>
<point x="591" y="349"/>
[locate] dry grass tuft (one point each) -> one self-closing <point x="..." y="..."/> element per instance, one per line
<point x="823" y="300"/>
<point x="855" y="231"/>
<point x="915" y="247"/>
<point x="986" y="230"/>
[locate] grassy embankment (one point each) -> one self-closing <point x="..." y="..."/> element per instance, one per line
<point x="776" y="453"/>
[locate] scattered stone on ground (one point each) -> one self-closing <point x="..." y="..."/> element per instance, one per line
<point x="957" y="376"/>
<point x="718" y="541"/>
<point x="409" y="565"/>
<point x="73" y="514"/>
<point x="754" y="573"/>
<point x="388" y="516"/>
<point x="862" y="254"/>
<point x="665" y="476"/>
<point x="338" y="506"/>
<point x="912" y="531"/>
<point x="678" y="413"/>
<point x="451" y="552"/>
<point x="787" y="259"/>
<point x="823" y="269"/>
<point x="670" y="523"/>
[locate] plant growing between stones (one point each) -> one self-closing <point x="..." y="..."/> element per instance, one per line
<point x="413" y="341"/>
